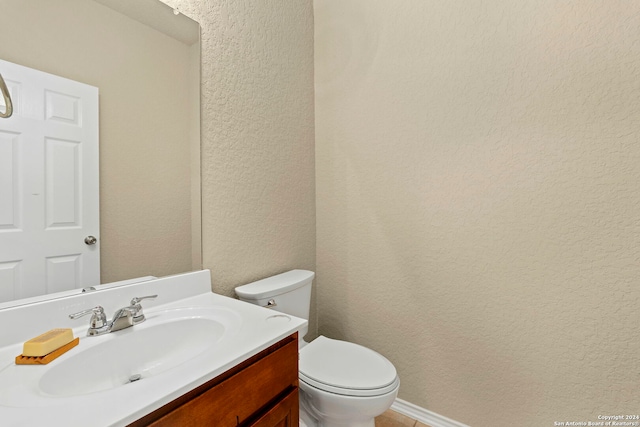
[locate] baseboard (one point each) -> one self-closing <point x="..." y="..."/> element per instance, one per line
<point x="424" y="415"/>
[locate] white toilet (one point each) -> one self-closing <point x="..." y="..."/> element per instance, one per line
<point x="341" y="383"/>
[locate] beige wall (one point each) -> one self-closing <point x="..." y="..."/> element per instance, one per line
<point x="478" y="211"/>
<point x="145" y="163"/>
<point x="257" y="138"/>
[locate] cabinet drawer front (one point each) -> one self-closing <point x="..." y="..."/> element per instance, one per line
<point x="234" y="400"/>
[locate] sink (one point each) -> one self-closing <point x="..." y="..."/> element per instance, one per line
<point x="165" y="341"/>
<point x="139" y="352"/>
<point x="191" y="336"/>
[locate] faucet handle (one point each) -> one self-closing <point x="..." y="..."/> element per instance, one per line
<point x="98" y="319"/>
<point x="137" y="300"/>
<point x="138" y="315"/>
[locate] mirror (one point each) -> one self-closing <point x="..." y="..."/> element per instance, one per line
<point x="145" y="61"/>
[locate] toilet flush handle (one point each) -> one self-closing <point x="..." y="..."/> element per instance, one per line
<point x="270" y="304"/>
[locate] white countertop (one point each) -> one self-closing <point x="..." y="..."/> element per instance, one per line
<point x="23" y="404"/>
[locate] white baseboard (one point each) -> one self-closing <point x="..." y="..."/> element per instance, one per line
<point x="424" y="415"/>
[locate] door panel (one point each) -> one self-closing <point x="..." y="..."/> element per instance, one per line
<point x="10" y="181"/>
<point x="49" y="200"/>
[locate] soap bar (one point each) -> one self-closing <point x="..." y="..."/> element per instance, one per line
<point x="47" y="342"/>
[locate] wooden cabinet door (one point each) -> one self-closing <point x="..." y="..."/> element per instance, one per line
<point x="237" y="399"/>
<point x="283" y="414"/>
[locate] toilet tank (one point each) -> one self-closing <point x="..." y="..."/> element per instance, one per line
<point x="291" y="292"/>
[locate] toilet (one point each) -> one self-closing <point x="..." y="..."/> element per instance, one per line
<point x="342" y="384"/>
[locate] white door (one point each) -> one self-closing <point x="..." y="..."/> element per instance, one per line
<point x="48" y="185"/>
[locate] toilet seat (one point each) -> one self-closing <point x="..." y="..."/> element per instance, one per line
<point x="346" y="368"/>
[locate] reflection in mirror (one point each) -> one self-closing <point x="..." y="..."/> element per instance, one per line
<point x="145" y="62"/>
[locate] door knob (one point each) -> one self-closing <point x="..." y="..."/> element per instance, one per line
<point x="90" y="240"/>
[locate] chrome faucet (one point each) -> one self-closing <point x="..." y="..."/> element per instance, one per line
<point x="123" y="318"/>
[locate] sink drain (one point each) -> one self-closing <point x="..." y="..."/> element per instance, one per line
<point x="135" y="377"/>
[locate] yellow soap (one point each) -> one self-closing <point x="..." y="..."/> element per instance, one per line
<point x="47" y="342"/>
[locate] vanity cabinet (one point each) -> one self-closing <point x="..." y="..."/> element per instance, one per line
<point x="260" y="392"/>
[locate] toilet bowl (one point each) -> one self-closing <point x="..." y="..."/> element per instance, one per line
<point x="345" y="384"/>
<point x="342" y="384"/>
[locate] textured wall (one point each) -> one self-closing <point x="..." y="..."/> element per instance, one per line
<point x="145" y="223"/>
<point x="258" y="184"/>
<point x="478" y="212"/>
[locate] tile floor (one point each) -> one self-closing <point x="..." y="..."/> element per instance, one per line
<point x="394" y="419"/>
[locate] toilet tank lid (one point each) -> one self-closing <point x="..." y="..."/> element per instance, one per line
<point x="275" y="285"/>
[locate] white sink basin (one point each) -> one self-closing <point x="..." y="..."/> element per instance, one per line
<point x="134" y="354"/>
<point x="166" y="340"/>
